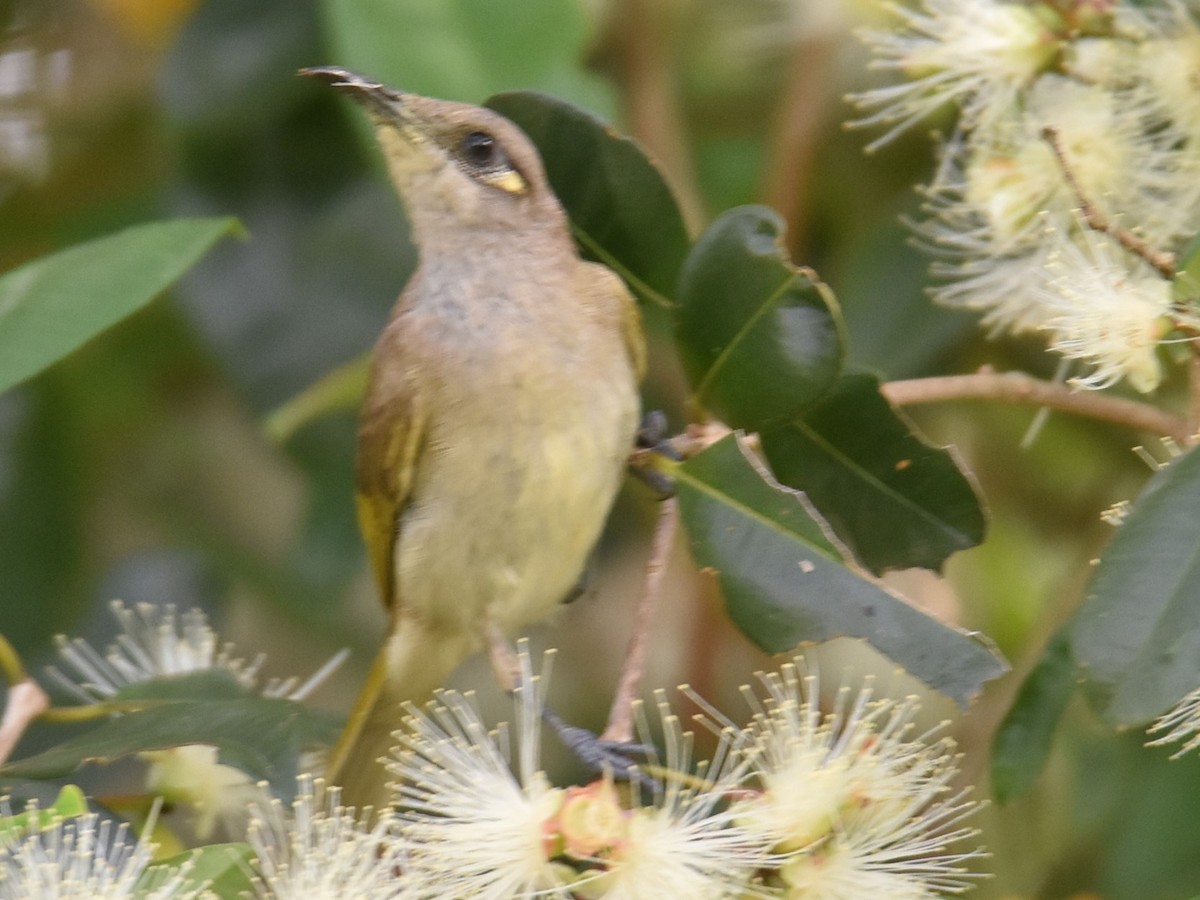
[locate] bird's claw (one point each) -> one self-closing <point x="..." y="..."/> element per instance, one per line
<point x="619" y="758"/>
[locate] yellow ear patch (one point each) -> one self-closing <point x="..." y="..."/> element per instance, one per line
<point x="509" y="180"/>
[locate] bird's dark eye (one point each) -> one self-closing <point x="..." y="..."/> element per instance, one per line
<point x="480" y="149"/>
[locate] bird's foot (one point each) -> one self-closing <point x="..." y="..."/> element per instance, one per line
<point x="651" y="440"/>
<point x="620" y="758"/>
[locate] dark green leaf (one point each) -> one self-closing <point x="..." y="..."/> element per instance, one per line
<point x="1023" y="742"/>
<point x="761" y="339"/>
<point x="262" y="736"/>
<point x="784" y="582"/>
<point x="467" y="49"/>
<point x="205" y="684"/>
<point x="1136" y="638"/>
<point x="223" y="869"/>
<point x="621" y="210"/>
<point x="53" y="305"/>
<point x="894" y="499"/>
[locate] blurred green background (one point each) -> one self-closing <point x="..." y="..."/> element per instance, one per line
<point x="139" y="468"/>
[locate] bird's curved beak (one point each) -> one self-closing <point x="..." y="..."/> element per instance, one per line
<point x="378" y="99"/>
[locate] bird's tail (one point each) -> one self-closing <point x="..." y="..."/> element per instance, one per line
<point x="411" y="665"/>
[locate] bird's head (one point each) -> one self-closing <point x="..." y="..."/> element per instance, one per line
<point x="455" y="165"/>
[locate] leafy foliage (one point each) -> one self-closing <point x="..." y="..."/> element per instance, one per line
<point x="53" y="305"/>
<point x="786" y="583"/>
<point x="894" y="499"/>
<point x="760" y="338"/>
<point x="1136" y="639"/>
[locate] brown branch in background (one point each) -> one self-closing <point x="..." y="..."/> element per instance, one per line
<point x="635" y="53"/>
<point x="1194" y="394"/>
<point x="804" y="104"/>
<point x="1163" y="262"/>
<point x="26" y="701"/>
<point x="1017" y="387"/>
<point x="620" y="717"/>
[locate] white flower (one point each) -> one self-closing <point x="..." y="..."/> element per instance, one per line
<point x="861" y="807"/>
<point x="192" y="776"/>
<point x="83" y="858"/>
<point x="155" y="642"/>
<point x="321" y="850"/>
<point x="687" y="842"/>
<point x="977" y="53"/>
<point x="1106" y="308"/>
<point x="475" y="825"/>
<point x="1168" y="64"/>
<point x="1181" y="723"/>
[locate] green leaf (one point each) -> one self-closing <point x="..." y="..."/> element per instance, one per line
<point x="223" y="869"/>
<point x="69" y="803"/>
<point x="894" y="499"/>
<point x="53" y="305"/>
<point x="1136" y="638"/>
<point x="204" y="684"/>
<point x="622" y="212"/>
<point x="337" y="391"/>
<point x="1023" y="742"/>
<point x="785" y="583"/>
<point x="262" y="736"/>
<point x="468" y="49"/>
<point x="760" y="338"/>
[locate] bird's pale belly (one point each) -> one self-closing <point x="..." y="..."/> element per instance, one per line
<point x="507" y="540"/>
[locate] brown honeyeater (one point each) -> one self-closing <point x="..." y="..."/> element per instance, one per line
<point x="500" y="410"/>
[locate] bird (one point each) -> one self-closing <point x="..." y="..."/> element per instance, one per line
<point x="501" y="407"/>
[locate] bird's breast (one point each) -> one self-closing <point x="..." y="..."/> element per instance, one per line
<point x="528" y="432"/>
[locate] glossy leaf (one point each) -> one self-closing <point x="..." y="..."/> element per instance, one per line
<point x="784" y="581"/>
<point x="1023" y="742"/>
<point x="622" y="212"/>
<point x="224" y="869"/>
<point x="1136" y="638"/>
<point x="203" y="684"/>
<point x="53" y="305"/>
<point x="262" y="736"/>
<point x="761" y="339"/>
<point x="894" y="499"/>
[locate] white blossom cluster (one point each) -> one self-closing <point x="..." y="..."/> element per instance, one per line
<point x="1112" y="83"/>
<point x="800" y="803"/>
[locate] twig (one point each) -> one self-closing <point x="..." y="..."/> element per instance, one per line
<point x="26" y="701"/>
<point x="1163" y="262"/>
<point x="10" y="663"/>
<point x="620" y="718"/>
<point x="803" y="112"/>
<point x="1194" y="395"/>
<point x="1017" y="387"/>
<point x="651" y="97"/>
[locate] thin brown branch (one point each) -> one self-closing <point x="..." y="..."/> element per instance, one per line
<point x="804" y="106"/>
<point x="1160" y="260"/>
<point x="637" y="51"/>
<point x="11" y="666"/>
<point x="1017" y="387"/>
<point x="1194" y="393"/>
<point x="620" y="717"/>
<point x="26" y="701"/>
